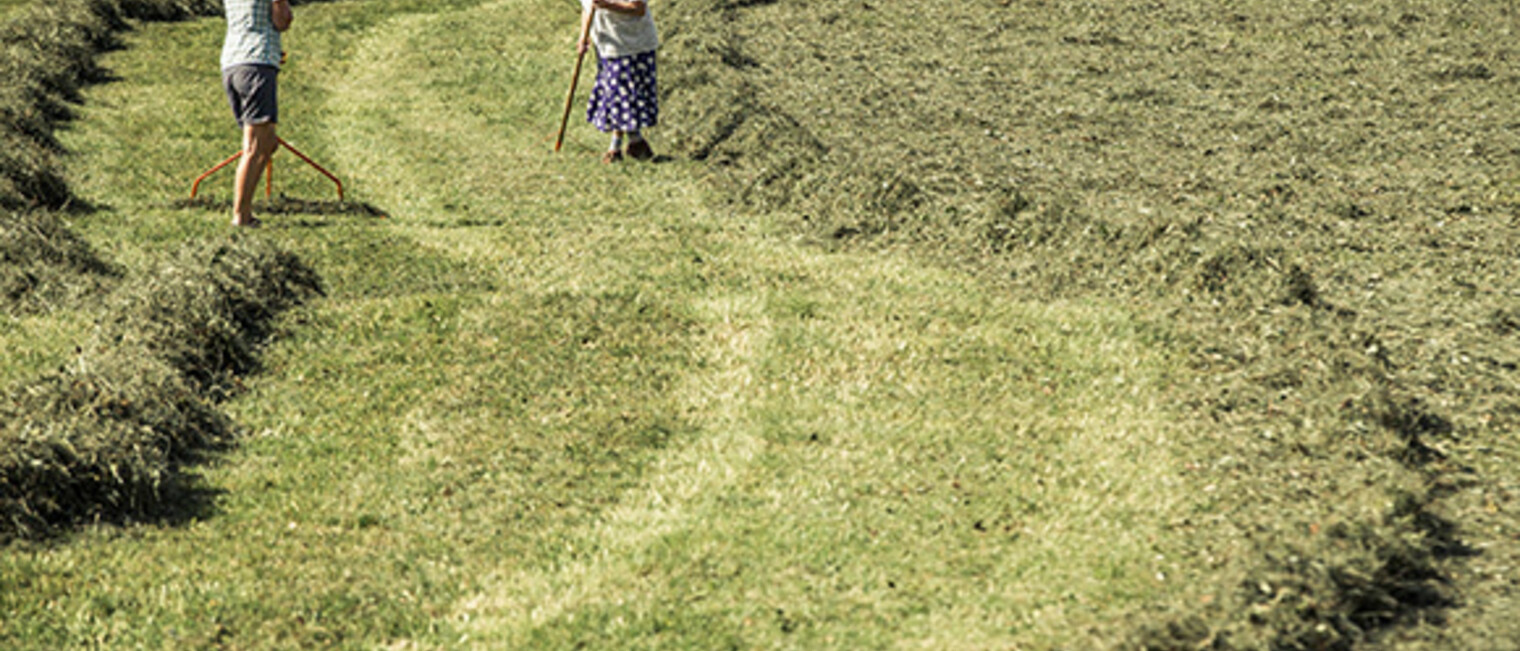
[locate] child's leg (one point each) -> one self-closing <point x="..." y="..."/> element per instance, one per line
<point x="617" y="141"/>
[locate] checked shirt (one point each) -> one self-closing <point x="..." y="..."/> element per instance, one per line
<point x="251" y="36"/>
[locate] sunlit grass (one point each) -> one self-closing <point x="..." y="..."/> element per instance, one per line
<point x="546" y="402"/>
<point x="893" y="456"/>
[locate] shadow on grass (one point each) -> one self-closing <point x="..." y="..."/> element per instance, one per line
<point x="284" y="205"/>
<point x="184" y="498"/>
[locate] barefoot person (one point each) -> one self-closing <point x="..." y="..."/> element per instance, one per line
<point x="624" y="99"/>
<point x="251" y="58"/>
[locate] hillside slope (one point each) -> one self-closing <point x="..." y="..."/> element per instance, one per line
<point x="946" y="324"/>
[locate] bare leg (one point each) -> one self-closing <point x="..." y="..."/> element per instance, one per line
<point x="614" y="150"/>
<point x="259" y="142"/>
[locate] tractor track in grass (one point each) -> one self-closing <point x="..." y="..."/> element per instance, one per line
<point x="514" y="599"/>
<point x="429" y="158"/>
<point x="725" y="401"/>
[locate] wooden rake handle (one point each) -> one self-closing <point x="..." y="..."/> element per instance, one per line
<point x="575" y="77"/>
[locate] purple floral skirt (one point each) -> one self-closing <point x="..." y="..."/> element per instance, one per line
<point x="624" y="97"/>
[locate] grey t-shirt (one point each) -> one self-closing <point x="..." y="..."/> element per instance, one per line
<point x="620" y="35"/>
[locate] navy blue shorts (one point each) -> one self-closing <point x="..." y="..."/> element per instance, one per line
<point x="253" y="92"/>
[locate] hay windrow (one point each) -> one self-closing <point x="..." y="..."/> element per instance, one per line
<point x="1274" y="186"/>
<point x="43" y="263"/>
<point x="100" y="439"/>
<point x="99" y="445"/>
<point x="205" y="311"/>
<point x="47" y="53"/>
<point x="29" y="176"/>
<point x="105" y="438"/>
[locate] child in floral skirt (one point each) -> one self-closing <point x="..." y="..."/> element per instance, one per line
<point x="624" y="100"/>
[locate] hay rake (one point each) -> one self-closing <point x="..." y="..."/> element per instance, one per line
<point x="268" y="171"/>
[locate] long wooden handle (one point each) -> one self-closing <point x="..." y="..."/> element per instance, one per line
<point x="580" y="56"/>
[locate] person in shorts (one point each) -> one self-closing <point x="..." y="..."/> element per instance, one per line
<point x="251" y="58"/>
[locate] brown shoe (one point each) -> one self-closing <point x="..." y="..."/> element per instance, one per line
<point x="612" y="156"/>
<point x="640" y="150"/>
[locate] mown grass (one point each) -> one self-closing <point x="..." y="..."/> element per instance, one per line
<point x="9" y="8"/>
<point x="891" y="460"/>
<point x="547" y="402"/>
<point x="1314" y="197"/>
<point x="38" y="344"/>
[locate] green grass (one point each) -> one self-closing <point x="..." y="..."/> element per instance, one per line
<point x="1308" y="195"/>
<point x="548" y="402"/>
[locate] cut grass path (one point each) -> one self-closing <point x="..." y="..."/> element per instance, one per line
<point x="549" y="402"/>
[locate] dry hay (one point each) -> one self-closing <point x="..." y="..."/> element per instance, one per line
<point x="1345" y="286"/>
<point x="102" y="437"/>
<point x="205" y="312"/>
<point x="43" y="263"/>
<point x="29" y="175"/>
<point x="98" y="444"/>
<point x="47" y="53"/>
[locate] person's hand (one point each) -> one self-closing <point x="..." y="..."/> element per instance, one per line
<point x="283" y="56"/>
<point x="581" y="47"/>
<point x="279" y="15"/>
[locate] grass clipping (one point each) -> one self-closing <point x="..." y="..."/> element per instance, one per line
<point x="43" y="263"/>
<point x="1349" y="323"/>
<point x="106" y="437"/>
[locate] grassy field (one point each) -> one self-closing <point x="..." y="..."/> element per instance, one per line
<point x="552" y="403"/>
<point x="818" y="381"/>
<point x="1317" y="201"/>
